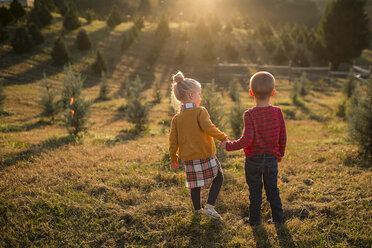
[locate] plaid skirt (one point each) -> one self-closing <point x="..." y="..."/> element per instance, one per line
<point x="201" y="172"/>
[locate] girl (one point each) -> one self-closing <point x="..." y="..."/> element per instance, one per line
<point x="191" y="139"/>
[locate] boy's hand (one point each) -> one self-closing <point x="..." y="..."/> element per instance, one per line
<point x="175" y="165"/>
<point x="223" y="145"/>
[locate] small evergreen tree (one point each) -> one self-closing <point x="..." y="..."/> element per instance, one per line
<point x="208" y="53"/>
<point x="49" y="105"/>
<point x="139" y="22"/>
<point x="250" y="50"/>
<point x="212" y="102"/>
<point x="300" y="58"/>
<point x="104" y="90"/>
<point x="233" y="90"/>
<point x="145" y="7"/>
<point x="304" y="85"/>
<point x="22" y="41"/>
<point x="163" y="29"/>
<point x="349" y="85"/>
<point x="35" y="33"/>
<point x="44" y="14"/>
<point x="17" y="9"/>
<point x="156" y="94"/>
<point x="90" y="15"/>
<point x="128" y="40"/>
<point x="71" y="20"/>
<point x="114" y="18"/>
<point x="269" y="44"/>
<point x="215" y="24"/>
<point x="6" y="16"/>
<point x="359" y="117"/>
<point x="236" y="118"/>
<point x="136" y="111"/>
<point x="99" y="65"/>
<point x="60" y="53"/>
<point x="82" y="40"/>
<point x="78" y="108"/>
<point x="202" y="29"/>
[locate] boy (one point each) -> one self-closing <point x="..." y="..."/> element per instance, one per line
<point x="264" y="140"/>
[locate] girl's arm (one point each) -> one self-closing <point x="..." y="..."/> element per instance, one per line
<point x="208" y="127"/>
<point x="173" y="142"/>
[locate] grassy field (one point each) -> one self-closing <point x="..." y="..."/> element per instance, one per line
<point x="113" y="189"/>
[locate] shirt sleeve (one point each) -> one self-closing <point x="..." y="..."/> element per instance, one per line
<point x="208" y="127"/>
<point x="282" y="136"/>
<point x="247" y="136"/>
<point x="173" y="142"/>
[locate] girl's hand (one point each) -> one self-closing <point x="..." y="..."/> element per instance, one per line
<point x="223" y="145"/>
<point x="175" y="165"/>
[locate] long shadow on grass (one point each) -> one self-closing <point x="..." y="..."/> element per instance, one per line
<point x="260" y="236"/>
<point x="285" y="237"/>
<point x="35" y="150"/>
<point x="25" y="127"/>
<point x="206" y="235"/>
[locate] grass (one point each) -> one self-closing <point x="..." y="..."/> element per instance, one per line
<point x="116" y="189"/>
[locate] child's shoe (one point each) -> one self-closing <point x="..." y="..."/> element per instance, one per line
<point x="210" y="212"/>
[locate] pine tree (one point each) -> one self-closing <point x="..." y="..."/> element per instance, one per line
<point x="156" y="94"/>
<point x="128" y="40"/>
<point x="212" y="102"/>
<point x="359" y="117"/>
<point x="300" y="58"/>
<point x="71" y="19"/>
<point x="236" y="118"/>
<point x="35" y="33"/>
<point x="78" y="108"/>
<point x="304" y="85"/>
<point x="233" y="90"/>
<point x="22" y="41"/>
<point x="17" y="9"/>
<point x="215" y="24"/>
<point x="162" y="31"/>
<point x="139" y="22"/>
<point x="82" y="40"/>
<point x="136" y="111"/>
<point x="114" y="18"/>
<point x="104" y="90"/>
<point x="49" y="105"/>
<point x="344" y="30"/>
<point x="349" y="85"/>
<point x="90" y="15"/>
<point x="43" y="14"/>
<point x="99" y="65"/>
<point x="60" y="53"/>
<point x="6" y="16"/>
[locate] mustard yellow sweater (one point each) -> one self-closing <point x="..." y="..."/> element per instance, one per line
<point x="192" y="134"/>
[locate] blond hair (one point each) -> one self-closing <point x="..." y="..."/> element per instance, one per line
<point x="181" y="87"/>
<point x="262" y="84"/>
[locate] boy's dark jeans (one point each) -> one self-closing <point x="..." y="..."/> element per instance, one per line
<point x="263" y="169"/>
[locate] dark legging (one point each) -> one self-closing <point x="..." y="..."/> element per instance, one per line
<point x="213" y="192"/>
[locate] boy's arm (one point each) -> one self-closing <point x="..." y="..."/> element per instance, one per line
<point x="282" y="136"/>
<point x="208" y="127"/>
<point x="247" y="137"/>
<point x="173" y="142"/>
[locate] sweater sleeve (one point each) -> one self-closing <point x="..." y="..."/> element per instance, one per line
<point x="208" y="127"/>
<point x="247" y="137"/>
<point x="173" y="142"/>
<point x="282" y="136"/>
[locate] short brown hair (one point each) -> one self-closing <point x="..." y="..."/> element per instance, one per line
<point x="262" y="84"/>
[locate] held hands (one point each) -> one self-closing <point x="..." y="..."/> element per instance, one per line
<point x="175" y="165"/>
<point x="223" y="145"/>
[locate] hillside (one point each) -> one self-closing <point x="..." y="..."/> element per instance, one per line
<point x="116" y="189"/>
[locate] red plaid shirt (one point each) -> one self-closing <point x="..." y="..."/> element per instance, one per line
<point x="264" y="132"/>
